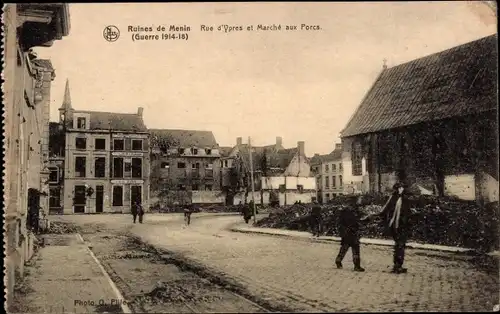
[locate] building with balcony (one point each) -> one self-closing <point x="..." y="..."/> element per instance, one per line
<point x="99" y="161"/>
<point x="27" y="82"/>
<point x="184" y="167"/>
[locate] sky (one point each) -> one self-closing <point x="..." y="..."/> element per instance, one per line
<point x="300" y="85"/>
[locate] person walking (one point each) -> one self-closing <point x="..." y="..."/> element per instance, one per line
<point x="315" y="221"/>
<point x="134" y="211"/>
<point x="248" y="212"/>
<point x="348" y="227"/>
<point x="396" y="216"/>
<point x="187" y="215"/>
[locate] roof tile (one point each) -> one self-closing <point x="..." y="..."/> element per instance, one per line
<point x="454" y="82"/>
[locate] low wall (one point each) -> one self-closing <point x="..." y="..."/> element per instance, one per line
<point x="171" y="198"/>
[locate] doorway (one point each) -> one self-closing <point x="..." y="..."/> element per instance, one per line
<point x="99" y="198"/>
<point x="135" y="194"/>
<point x="80" y="199"/>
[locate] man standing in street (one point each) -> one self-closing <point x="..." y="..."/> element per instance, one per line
<point x="134" y="210"/>
<point x="140" y="211"/>
<point x="348" y="227"/>
<point x="316" y="219"/>
<point x="396" y="215"/>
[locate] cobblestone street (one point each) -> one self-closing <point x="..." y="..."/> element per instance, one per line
<point x="301" y="275"/>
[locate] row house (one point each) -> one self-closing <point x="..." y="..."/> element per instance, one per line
<point x="185" y="167"/>
<point x="100" y="161"/>
<point x="281" y="176"/>
<point x="431" y="123"/>
<point x="26" y="88"/>
<point x="328" y="171"/>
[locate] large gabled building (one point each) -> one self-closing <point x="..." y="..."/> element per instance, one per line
<point x="431" y="123"/>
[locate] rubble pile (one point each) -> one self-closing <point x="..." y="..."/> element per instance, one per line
<point x="58" y="227"/>
<point x="438" y="220"/>
<point x="178" y="291"/>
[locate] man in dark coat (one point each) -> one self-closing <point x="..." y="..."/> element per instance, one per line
<point x="316" y="219"/>
<point x="134" y="210"/>
<point x="140" y="211"/>
<point x="348" y="227"/>
<point x="396" y="215"/>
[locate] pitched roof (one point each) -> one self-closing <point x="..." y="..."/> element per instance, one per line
<point x="183" y="138"/>
<point x="455" y="82"/>
<point x="335" y="155"/>
<point x="114" y="121"/>
<point x="277" y="158"/>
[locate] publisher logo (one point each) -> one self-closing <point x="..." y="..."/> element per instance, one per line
<point x="111" y="33"/>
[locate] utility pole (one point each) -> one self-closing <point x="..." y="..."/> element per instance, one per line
<point x="252" y="182"/>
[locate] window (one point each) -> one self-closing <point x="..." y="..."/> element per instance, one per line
<point x="195" y="151"/>
<point x="225" y="163"/>
<point x="54" y="175"/>
<point x="340" y="181"/>
<point x="81" y="143"/>
<point x="117" y="167"/>
<point x="334" y="167"/>
<point x="181" y="187"/>
<point x="340" y="166"/>
<point x="118" y="145"/>
<point x="208" y="151"/>
<point x="54" y="199"/>
<point x="327" y="197"/>
<point x="100" y="167"/>
<point x="356" y="159"/>
<point x="100" y="144"/>
<point x="208" y="187"/>
<point x="196" y="165"/>
<point x="136" y="144"/>
<point x="209" y="166"/>
<point x="81" y="123"/>
<point x="80" y="170"/>
<point x="181" y="151"/>
<point x="194" y="187"/>
<point x="181" y="165"/>
<point x="136" y="167"/>
<point x="326" y="168"/>
<point x="327" y="182"/>
<point x="127" y="172"/>
<point x="117" y="195"/>
<point x="334" y="183"/>
<point x="300" y="188"/>
<point x="165" y="165"/>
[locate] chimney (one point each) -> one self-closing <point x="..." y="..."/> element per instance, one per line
<point x="300" y="146"/>
<point x="279" y="141"/>
<point x="239" y="141"/>
<point x="338" y="146"/>
<point x="139" y="111"/>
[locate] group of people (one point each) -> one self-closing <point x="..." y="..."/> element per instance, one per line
<point x="395" y="216"/>
<point x="138" y="211"/>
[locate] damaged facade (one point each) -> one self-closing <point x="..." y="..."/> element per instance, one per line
<point x="99" y="161"/>
<point x="27" y="83"/>
<point x="185" y="168"/>
<point x="431" y="123"/>
<point x="281" y="176"/>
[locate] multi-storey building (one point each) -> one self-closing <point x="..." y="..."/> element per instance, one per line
<point x="26" y="89"/>
<point x="281" y="175"/>
<point x="106" y="161"/>
<point x="185" y="167"/>
<point x="329" y="174"/>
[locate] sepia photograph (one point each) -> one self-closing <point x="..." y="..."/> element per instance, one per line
<point x="250" y="157"/>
